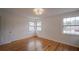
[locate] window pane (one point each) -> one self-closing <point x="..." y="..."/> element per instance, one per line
<point x="38" y="23"/>
<point x="38" y="28"/>
<point x="31" y="24"/>
<point x="68" y="21"/>
<point x="73" y="21"/>
<point x="77" y="20"/>
<point x="67" y="29"/>
<point x="31" y="28"/>
<point x="64" y="21"/>
<point x="76" y="29"/>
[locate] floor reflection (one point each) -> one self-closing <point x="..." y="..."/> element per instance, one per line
<point x="34" y="45"/>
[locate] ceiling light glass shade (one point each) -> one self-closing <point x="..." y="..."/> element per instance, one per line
<point x="38" y="11"/>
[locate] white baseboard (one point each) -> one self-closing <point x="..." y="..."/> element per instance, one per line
<point x="2" y="43"/>
<point x="59" y="41"/>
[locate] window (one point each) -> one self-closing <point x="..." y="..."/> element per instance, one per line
<point x="35" y="26"/>
<point x="71" y="25"/>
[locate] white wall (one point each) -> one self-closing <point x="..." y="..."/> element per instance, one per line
<point x="52" y="29"/>
<point x="13" y="27"/>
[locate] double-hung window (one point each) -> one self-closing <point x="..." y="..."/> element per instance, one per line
<point x="71" y="25"/>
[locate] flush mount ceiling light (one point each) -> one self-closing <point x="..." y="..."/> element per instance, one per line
<point x="38" y="11"/>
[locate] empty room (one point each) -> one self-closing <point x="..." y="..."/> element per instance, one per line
<point x="39" y="29"/>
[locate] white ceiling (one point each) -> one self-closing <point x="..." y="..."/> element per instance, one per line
<point x="28" y="12"/>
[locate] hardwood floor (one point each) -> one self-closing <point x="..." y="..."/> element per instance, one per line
<point x="36" y="44"/>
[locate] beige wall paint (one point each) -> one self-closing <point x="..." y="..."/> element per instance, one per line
<point x="53" y="26"/>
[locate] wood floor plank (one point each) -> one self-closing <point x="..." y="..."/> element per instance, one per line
<point x="36" y="44"/>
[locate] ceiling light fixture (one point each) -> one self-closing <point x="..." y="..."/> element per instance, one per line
<point x="38" y="11"/>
